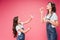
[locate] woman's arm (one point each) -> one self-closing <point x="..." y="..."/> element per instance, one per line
<point x="24" y="31"/>
<point x="41" y="15"/>
<point x="55" y="23"/>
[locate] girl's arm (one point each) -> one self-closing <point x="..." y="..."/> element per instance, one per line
<point x="27" y="21"/>
<point x="24" y="31"/>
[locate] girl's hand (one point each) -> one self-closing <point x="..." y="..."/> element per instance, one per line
<point x="29" y="28"/>
<point x="31" y="16"/>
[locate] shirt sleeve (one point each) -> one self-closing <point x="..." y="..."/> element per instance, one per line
<point x="54" y="17"/>
<point x="17" y="28"/>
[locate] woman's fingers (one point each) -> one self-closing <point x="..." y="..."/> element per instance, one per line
<point x="41" y="10"/>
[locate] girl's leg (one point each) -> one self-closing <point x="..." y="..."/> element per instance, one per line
<point x="22" y="37"/>
<point x="18" y="38"/>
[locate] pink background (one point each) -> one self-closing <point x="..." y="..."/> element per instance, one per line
<point x="23" y="9"/>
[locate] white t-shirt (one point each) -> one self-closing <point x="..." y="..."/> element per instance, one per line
<point x="19" y="26"/>
<point x="53" y="18"/>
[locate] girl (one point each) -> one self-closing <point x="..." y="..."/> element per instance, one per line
<point x="51" y="21"/>
<point x="18" y="29"/>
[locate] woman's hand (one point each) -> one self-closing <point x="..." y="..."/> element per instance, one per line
<point x="41" y="14"/>
<point x="47" y="20"/>
<point x="55" y="23"/>
<point x="41" y="10"/>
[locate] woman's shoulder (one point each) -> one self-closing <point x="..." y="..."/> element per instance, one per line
<point x="55" y="17"/>
<point x="54" y="13"/>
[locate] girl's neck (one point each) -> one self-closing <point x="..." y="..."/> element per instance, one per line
<point x="19" y="23"/>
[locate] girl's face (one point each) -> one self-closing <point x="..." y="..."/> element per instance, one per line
<point x="49" y="6"/>
<point x="19" y="20"/>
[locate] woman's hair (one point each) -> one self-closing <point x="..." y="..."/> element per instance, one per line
<point x="15" y="23"/>
<point x="53" y="7"/>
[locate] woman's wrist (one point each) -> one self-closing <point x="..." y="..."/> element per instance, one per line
<point x="50" y="21"/>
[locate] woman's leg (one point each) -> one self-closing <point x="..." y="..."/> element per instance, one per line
<point x="48" y="35"/>
<point x="54" y="35"/>
<point x="51" y="32"/>
<point x="48" y="31"/>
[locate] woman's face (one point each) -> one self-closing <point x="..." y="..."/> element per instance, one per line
<point x="49" y="6"/>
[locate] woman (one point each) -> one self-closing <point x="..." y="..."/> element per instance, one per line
<point x="18" y="29"/>
<point x="51" y="21"/>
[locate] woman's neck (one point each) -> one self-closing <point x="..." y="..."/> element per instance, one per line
<point x="49" y="11"/>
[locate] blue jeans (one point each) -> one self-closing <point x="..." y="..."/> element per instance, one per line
<point x="51" y="32"/>
<point x="21" y="37"/>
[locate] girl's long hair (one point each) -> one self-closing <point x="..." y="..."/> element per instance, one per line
<point x="15" y="23"/>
